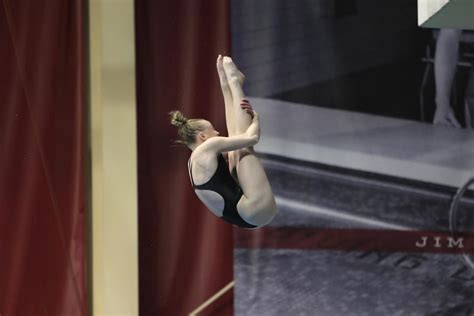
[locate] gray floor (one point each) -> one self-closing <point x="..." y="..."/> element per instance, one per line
<point x="292" y="282"/>
<point x="276" y="281"/>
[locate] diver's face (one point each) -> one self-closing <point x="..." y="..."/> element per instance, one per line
<point x="209" y="131"/>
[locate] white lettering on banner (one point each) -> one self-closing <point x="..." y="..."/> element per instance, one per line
<point x="450" y="242"/>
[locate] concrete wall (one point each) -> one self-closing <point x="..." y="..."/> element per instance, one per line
<point x="281" y="45"/>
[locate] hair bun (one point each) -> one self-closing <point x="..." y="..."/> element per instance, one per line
<point x="178" y="119"/>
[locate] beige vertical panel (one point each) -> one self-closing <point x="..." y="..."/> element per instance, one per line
<point x="113" y="162"/>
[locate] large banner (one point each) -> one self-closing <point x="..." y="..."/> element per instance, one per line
<point x="367" y="142"/>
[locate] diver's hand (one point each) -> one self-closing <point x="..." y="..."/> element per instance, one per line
<point x="247" y="107"/>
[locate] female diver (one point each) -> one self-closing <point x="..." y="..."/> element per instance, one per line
<point x="225" y="173"/>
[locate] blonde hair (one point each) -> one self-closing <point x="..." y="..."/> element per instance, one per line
<point x="187" y="128"/>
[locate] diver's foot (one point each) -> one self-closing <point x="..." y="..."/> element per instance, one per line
<point x="231" y="70"/>
<point x="220" y="70"/>
<point x="446" y="117"/>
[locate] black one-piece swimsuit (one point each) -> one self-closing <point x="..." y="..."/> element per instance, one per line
<point x="224" y="184"/>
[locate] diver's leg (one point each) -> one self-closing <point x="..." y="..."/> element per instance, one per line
<point x="229" y="112"/>
<point x="257" y="206"/>
<point x="235" y="79"/>
<point x="228" y="100"/>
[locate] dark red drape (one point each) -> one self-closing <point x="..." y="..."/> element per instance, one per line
<point x="41" y="158"/>
<point x="185" y="252"/>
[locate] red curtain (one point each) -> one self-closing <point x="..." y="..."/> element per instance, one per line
<point x="41" y="158"/>
<point x="186" y="253"/>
